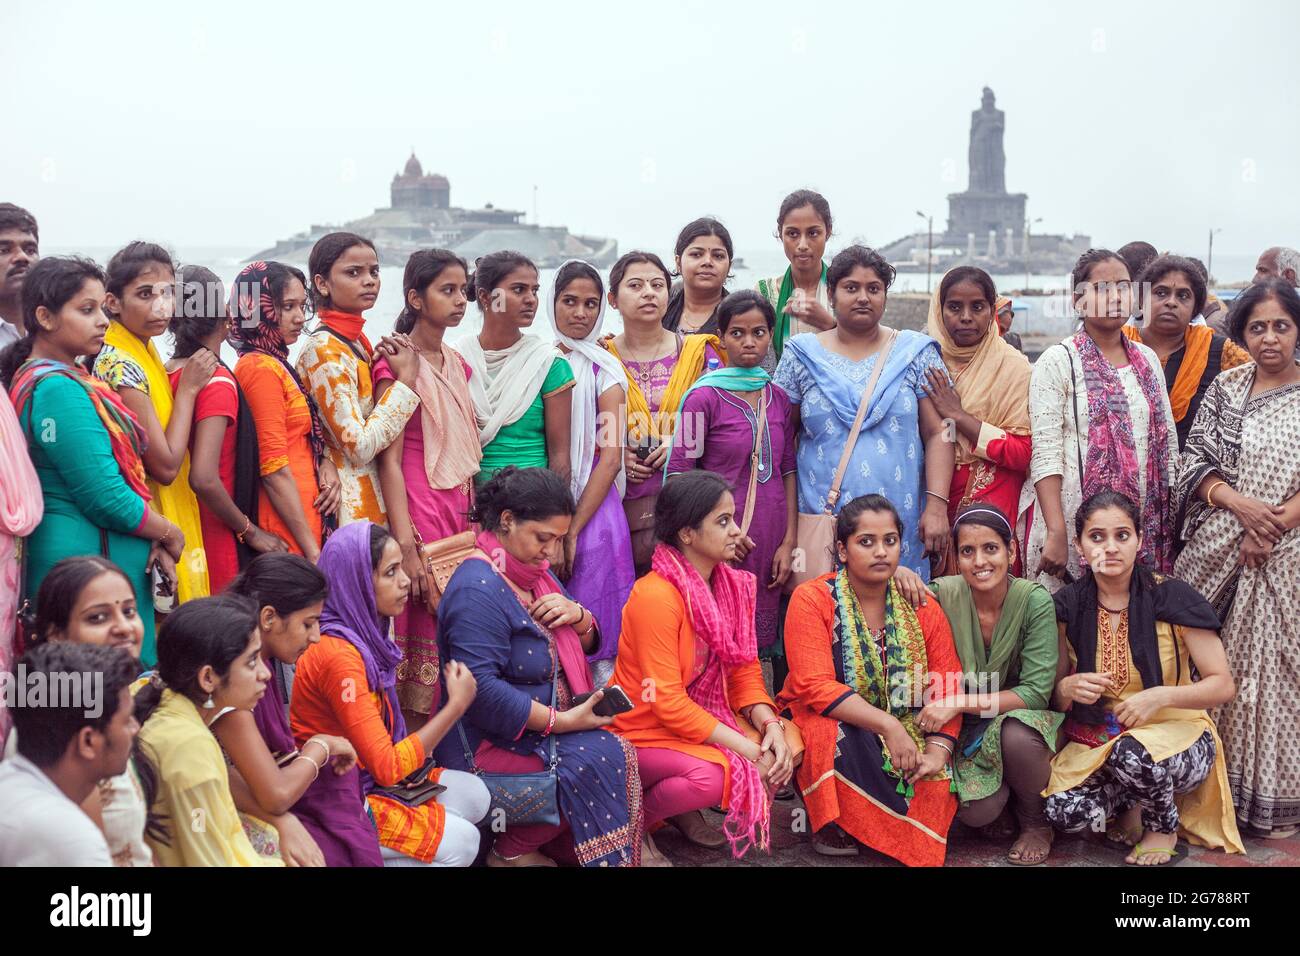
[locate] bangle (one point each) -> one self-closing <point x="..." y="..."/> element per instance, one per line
<point x="940" y="743"/>
<point x="591" y="627"/>
<point x="937" y="495"/>
<point x="248" y="523"/>
<point x="315" y="766"/>
<point x="773" y="720"/>
<point x="1209" y="494"/>
<point x="320" y="743"/>
<point x="550" y="724"/>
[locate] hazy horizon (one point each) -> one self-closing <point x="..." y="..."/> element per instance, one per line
<point x="1123" y="121"/>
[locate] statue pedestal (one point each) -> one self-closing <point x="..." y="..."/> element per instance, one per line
<point x="980" y="213"/>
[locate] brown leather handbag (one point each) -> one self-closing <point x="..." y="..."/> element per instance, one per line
<point x="441" y="558"/>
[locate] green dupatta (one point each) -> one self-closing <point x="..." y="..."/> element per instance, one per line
<point x="782" y="330"/>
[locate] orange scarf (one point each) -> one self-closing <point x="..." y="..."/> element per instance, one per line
<point x="1196" y="355"/>
<point x="349" y="326"/>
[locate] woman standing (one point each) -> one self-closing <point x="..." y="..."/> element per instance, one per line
<point x="427" y="476"/>
<point x="268" y="307"/>
<point x="1240" y="504"/>
<point x="1004" y="629"/>
<point x="363" y="564"/>
<point x="524" y="640"/>
<point x="223" y="443"/>
<point x="1174" y="291"/>
<point x="141" y="302"/>
<point x="703" y="257"/>
<point x="736" y="423"/>
<point x="901" y="451"/>
<point x="801" y="296"/>
<point x="598" y="547"/>
<point x="89" y="465"/>
<point x="520" y="383"/>
<point x="335" y="362"/>
<point x="1100" y="419"/>
<point x="1139" y="734"/>
<point x="987" y="399"/>
<point x="709" y="734"/>
<point x="660" y="367"/>
<point x="863" y="662"/>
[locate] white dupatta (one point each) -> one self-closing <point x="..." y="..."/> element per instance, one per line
<point x="505" y="381"/>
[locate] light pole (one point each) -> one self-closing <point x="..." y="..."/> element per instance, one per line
<point x="1028" y="222"/>
<point x="929" y="247"/>
<point x="1209" y="256"/>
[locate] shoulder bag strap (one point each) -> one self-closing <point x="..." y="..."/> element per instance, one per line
<point x="1074" y="394"/>
<point x="759" y="424"/>
<point x="882" y="357"/>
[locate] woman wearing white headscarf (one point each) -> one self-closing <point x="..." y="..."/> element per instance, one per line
<point x="598" y="549"/>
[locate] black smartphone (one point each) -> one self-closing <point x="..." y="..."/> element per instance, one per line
<point x="614" y="702"/>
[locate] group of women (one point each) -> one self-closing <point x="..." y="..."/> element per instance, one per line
<point x="477" y="543"/>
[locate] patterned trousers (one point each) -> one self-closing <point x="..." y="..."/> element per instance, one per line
<point x="1130" y="777"/>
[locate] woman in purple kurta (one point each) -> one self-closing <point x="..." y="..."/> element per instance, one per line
<point x="717" y="433"/>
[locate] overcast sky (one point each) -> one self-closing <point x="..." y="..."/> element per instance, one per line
<point x="237" y="123"/>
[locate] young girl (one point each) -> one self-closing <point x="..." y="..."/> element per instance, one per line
<point x="427" y="476"/>
<point x="90" y="467"/>
<point x="597" y="549"/>
<point x="520" y="385"/>
<point x="209" y="663"/>
<point x="800" y="297"/>
<point x="223" y="444"/>
<point x="140" y="303"/>
<point x="660" y="367"/>
<point x="336" y="361"/>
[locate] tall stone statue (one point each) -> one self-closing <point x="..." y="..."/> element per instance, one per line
<point x="988" y="163"/>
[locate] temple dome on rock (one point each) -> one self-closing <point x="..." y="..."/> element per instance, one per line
<point x="412" y="189"/>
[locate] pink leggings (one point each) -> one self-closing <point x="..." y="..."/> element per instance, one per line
<point x="675" y="782"/>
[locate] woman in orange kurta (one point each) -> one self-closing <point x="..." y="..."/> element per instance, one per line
<point x="863" y="663"/>
<point x="299" y="483"/>
<point x="688" y="657"/>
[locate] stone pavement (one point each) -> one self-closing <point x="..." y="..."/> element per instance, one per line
<point x="965" y="848"/>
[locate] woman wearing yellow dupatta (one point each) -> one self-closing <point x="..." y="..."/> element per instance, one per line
<point x="140" y="303"/>
<point x="661" y="367"/>
<point x="989" y="404"/>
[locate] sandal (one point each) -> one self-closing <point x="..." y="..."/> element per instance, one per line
<point x="693" y="826"/>
<point x="1172" y="857"/>
<point x="1036" y="838"/>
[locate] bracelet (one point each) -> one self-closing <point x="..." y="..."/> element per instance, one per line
<point x="940" y="743"/>
<point x="772" y="720"/>
<point x="1209" y="494"/>
<point x="937" y="495"/>
<point x="320" y="743"/>
<point x="166" y="534"/>
<point x="591" y="627"/>
<point x="315" y="766"/>
<point x="550" y="724"/>
<point x="248" y="523"/>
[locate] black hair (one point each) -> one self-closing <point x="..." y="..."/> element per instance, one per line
<point x="422" y="270"/>
<point x="209" y="631"/>
<point x="1137" y="256"/>
<point x="327" y="251"/>
<point x="45" y="730"/>
<point x="1279" y="289"/>
<point x="379" y="536"/>
<point x="200" y="308"/>
<point x="632" y="258"/>
<point x="849" y="258"/>
<point x="51" y="283"/>
<point x="61" y="588"/>
<point x="491" y="270"/>
<point x="16" y="217"/>
<point x="1102" y="500"/>
<point x="698" y="228"/>
<point x="530" y="494"/>
<point x="1200" y="267"/>
<point x="1161" y="266"/>
<point x="969" y="274"/>
<point x="1083" y="267"/>
<point x="738" y="303"/>
<point x="285" y="582"/>
<point x="846" y="522"/>
<point x="797" y="200"/>
<point x="984" y="515"/>
<point x="686" y="500"/>
<point x="131" y="260"/>
<point x="573" y="270"/>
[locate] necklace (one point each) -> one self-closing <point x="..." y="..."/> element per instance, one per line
<point x="645" y="367"/>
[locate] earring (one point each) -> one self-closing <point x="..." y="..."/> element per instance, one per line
<point x="209" y="704"/>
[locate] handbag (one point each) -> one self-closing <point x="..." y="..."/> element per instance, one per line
<point x="816" y="533"/>
<point x="524" y="798"/>
<point x="441" y="558"/>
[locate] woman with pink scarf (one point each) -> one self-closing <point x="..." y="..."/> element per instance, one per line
<point x="706" y="731"/>
<point x="21" y="507"/>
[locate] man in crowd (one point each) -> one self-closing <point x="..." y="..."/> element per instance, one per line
<point x="18" y="253"/>
<point x="64" y="751"/>
<point x="1278" y="262"/>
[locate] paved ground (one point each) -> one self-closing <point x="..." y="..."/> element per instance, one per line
<point x="965" y="848"/>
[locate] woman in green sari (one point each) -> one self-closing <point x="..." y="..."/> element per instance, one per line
<point x="1005" y="632"/>
<point x="799" y="296"/>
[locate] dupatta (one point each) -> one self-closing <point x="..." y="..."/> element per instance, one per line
<point x="447" y="422"/>
<point x="505" y="381"/>
<point x="641" y="423"/>
<point x="781" y="334"/>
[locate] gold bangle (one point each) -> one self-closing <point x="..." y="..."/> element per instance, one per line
<point x="1209" y="494"/>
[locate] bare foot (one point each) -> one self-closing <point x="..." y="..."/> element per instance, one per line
<point x="1154" y="849"/>
<point x="1033" y="846"/>
<point x="1127" y="828"/>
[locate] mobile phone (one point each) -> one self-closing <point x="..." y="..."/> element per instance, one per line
<point x="614" y="702"/>
<point x="164" y="592"/>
